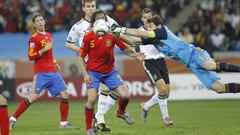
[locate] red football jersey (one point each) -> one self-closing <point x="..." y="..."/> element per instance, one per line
<point x="44" y="63"/>
<point x="100" y="51"/>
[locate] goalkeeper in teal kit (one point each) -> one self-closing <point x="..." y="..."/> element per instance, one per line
<point x="196" y="59"/>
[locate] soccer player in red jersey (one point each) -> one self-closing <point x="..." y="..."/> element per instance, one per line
<point x="46" y="74"/>
<point x="4" y="123"/>
<point x="100" y="68"/>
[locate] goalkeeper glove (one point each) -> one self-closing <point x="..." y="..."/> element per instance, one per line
<point x="118" y="29"/>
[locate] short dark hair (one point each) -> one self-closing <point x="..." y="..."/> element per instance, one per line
<point x="95" y="14"/>
<point x="35" y="16"/>
<point x="84" y="2"/>
<point x="156" y="19"/>
<point x="146" y="11"/>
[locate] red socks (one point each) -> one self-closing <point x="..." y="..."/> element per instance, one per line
<point x="64" y="107"/>
<point x="4" y="120"/>
<point x="89" y="115"/>
<point x="122" y="103"/>
<point x="21" y="108"/>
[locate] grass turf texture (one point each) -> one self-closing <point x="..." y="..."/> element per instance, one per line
<point x="214" y="117"/>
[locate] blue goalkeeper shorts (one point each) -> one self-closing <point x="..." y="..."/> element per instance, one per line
<point x="207" y="77"/>
<point x="53" y="81"/>
<point x="112" y="80"/>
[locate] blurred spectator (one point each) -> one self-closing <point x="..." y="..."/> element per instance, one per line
<point x="105" y="5"/>
<point x="218" y="39"/>
<point x="186" y="35"/>
<point x="223" y="16"/>
<point x="62" y="14"/>
<point x="202" y="39"/>
<point x="73" y="70"/>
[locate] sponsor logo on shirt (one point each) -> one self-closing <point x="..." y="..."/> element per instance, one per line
<point x="32" y="45"/>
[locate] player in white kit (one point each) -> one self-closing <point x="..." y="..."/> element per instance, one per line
<point x="156" y="70"/>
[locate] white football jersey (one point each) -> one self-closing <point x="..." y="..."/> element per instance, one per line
<point x="80" y="28"/>
<point x="150" y="50"/>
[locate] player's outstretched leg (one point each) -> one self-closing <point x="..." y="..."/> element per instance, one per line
<point x="21" y="108"/>
<point x="4" y="122"/>
<point x="121" y="112"/>
<point x="220" y="88"/>
<point x="232" y="88"/>
<point x="228" y="67"/>
<point x="122" y="104"/>
<point x="145" y="106"/>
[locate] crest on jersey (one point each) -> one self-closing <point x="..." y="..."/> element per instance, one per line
<point x="31" y="45"/>
<point x="108" y="42"/>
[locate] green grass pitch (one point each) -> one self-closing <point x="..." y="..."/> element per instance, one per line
<point x="213" y="117"/>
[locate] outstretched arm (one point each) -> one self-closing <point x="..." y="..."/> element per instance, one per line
<point x="131" y="40"/>
<point x="131" y="53"/>
<point x="129" y="31"/>
<point x="72" y="46"/>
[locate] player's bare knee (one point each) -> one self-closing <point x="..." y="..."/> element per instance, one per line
<point x="64" y="95"/>
<point x="126" y="96"/>
<point x="33" y="97"/>
<point x="162" y="87"/>
<point x="219" y="87"/>
<point x="91" y="102"/>
<point x="210" y="65"/>
<point x="3" y="101"/>
<point x="122" y="92"/>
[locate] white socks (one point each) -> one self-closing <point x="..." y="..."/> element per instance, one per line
<point x="100" y="108"/>
<point x="162" y="101"/>
<point x="107" y="103"/>
<point x="151" y="102"/>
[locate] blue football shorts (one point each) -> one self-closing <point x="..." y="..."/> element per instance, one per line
<point x="112" y="80"/>
<point x="53" y="81"/>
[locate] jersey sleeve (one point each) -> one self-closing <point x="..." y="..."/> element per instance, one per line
<point x="111" y="21"/>
<point x="159" y="33"/>
<point x="147" y="41"/>
<point x="73" y="35"/>
<point x="84" y="49"/>
<point x="120" y="43"/>
<point x="33" y="51"/>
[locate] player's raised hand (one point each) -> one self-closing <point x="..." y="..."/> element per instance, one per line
<point x="141" y="56"/>
<point x="58" y="67"/>
<point x="49" y="46"/>
<point x="118" y="29"/>
<point x="87" y="79"/>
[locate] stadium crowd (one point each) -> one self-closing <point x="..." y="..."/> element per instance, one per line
<point x="15" y="15"/>
<point x="214" y="26"/>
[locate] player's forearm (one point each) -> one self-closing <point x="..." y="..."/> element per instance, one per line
<point x="46" y="48"/>
<point x="72" y="47"/>
<point x="131" y="40"/>
<point x="130" y="53"/>
<point x="82" y="65"/>
<point x="136" y="32"/>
